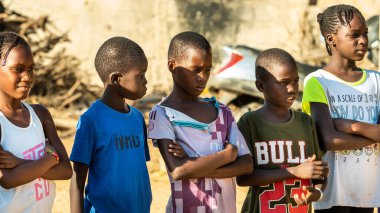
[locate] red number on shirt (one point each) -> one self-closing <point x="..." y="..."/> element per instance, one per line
<point x="278" y="193"/>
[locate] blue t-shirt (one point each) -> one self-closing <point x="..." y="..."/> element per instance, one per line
<point x="114" y="146"/>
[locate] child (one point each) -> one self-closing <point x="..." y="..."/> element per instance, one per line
<point x="342" y="91"/>
<point x="204" y="128"/>
<point x="283" y="142"/>
<point x="110" y="143"/>
<point x="28" y="163"/>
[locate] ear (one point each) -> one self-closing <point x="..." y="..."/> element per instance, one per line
<point x="330" y="39"/>
<point x="115" y="78"/>
<point x="259" y="85"/>
<point x="171" y="65"/>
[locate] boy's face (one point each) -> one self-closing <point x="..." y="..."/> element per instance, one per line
<point x="17" y="75"/>
<point x="351" y="41"/>
<point x="280" y="85"/>
<point x="193" y="71"/>
<point x="133" y="82"/>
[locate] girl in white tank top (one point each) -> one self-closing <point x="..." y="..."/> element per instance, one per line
<point x="28" y="164"/>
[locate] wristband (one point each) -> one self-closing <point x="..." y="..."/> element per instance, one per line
<point x="55" y="155"/>
<point x="321" y="197"/>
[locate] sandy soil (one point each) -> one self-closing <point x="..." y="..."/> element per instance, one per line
<point x="158" y="179"/>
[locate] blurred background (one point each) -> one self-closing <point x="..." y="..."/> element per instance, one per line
<point x="65" y="36"/>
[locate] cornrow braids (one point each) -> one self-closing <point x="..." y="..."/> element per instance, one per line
<point x="335" y="16"/>
<point x="9" y="40"/>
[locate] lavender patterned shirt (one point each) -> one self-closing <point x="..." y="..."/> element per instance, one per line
<point x="198" y="139"/>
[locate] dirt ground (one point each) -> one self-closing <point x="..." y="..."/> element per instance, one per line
<point x="158" y="179"/>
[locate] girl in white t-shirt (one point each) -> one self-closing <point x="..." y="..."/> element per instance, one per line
<point x="31" y="153"/>
<point x="344" y="102"/>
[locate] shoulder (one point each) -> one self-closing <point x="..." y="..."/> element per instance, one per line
<point x="248" y="117"/>
<point x="373" y="73"/>
<point x="136" y="112"/>
<point x="41" y="111"/>
<point x="303" y="119"/>
<point x="302" y="115"/>
<point x="314" y="75"/>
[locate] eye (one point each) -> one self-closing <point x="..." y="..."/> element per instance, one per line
<point x="18" y="69"/>
<point x="283" y="83"/>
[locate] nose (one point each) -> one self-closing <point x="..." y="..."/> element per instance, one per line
<point x="292" y="87"/>
<point x="363" y="40"/>
<point x="27" y="76"/>
<point x="202" y="76"/>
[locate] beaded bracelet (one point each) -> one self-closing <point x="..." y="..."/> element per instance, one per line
<point x="55" y="155"/>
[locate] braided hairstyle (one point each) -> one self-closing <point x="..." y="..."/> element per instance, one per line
<point x="9" y="40"/>
<point x="335" y="16"/>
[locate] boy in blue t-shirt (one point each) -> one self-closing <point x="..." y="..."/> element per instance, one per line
<point x="110" y="143"/>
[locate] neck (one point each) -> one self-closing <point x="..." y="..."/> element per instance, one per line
<point x="178" y="95"/>
<point x="113" y="100"/>
<point x="338" y="64"/>
<point x="9" y="104"/>
<point x="275" y="114"/>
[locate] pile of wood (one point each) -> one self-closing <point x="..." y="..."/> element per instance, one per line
<point x="58" y="84"/>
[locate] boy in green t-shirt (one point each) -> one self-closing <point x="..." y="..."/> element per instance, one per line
<point x="287" y="175"/>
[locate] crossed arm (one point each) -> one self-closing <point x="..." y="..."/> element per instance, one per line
<point x="222" y="164"/>
<point x="341" y="134"/>
<point x="15" y="171"/>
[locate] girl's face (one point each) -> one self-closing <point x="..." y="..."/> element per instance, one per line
<point x="17" y="74"/>
<point x="351" y="41"/>
<point x="192" y="72"/>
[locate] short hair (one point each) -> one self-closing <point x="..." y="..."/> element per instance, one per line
<point x="334" y="17"/>
<point x="117" y="54"/>
<point x="269" y="58"/>
<point x="9" y="40"/>
<point x="183" y="41"/>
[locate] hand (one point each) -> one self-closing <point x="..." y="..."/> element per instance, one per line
<point x="48" y="146"/>
<point x="310" y="169"/>
<point x="8" y="160"/>
<point x="231" y="152"/>
<point x="176" y="150"/>
<point x="311" y="195"/>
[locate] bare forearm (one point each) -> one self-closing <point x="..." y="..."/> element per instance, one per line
<point x="26" y="172"/>
<point x="370" y="131"/>
<point x="329" y="136"/>
<point x="192" y="168"/>
<point x="336" y="140"/>
<point x="61" y="171"/>
<point x="76" y="197"/>
<point x="261" y="177"/>
<point x="243" y="165"/>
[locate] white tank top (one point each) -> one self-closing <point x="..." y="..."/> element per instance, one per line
<point x="26" y="143"/>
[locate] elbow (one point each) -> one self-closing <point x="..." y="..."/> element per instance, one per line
<point x="6" y="184"/>
<point x="68" y="171"/>
<point x="179" y="173"/>
<point x="240" y="181"/>
<point x="329" y="144"/>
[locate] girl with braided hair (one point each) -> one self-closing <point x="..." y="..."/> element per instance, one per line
<point x="344" y="101"/>
<point x="31" y="153"/>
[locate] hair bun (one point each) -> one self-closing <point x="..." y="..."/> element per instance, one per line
<point x="320" y="17"/>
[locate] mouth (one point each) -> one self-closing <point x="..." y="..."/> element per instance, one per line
<point x="200" y="88"/>
<point x="361" y="51"/>
<point x="24" y="87"/>
<point x="291" y="99"/>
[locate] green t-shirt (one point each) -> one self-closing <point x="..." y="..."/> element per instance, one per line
<point x="275" y="146"/>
